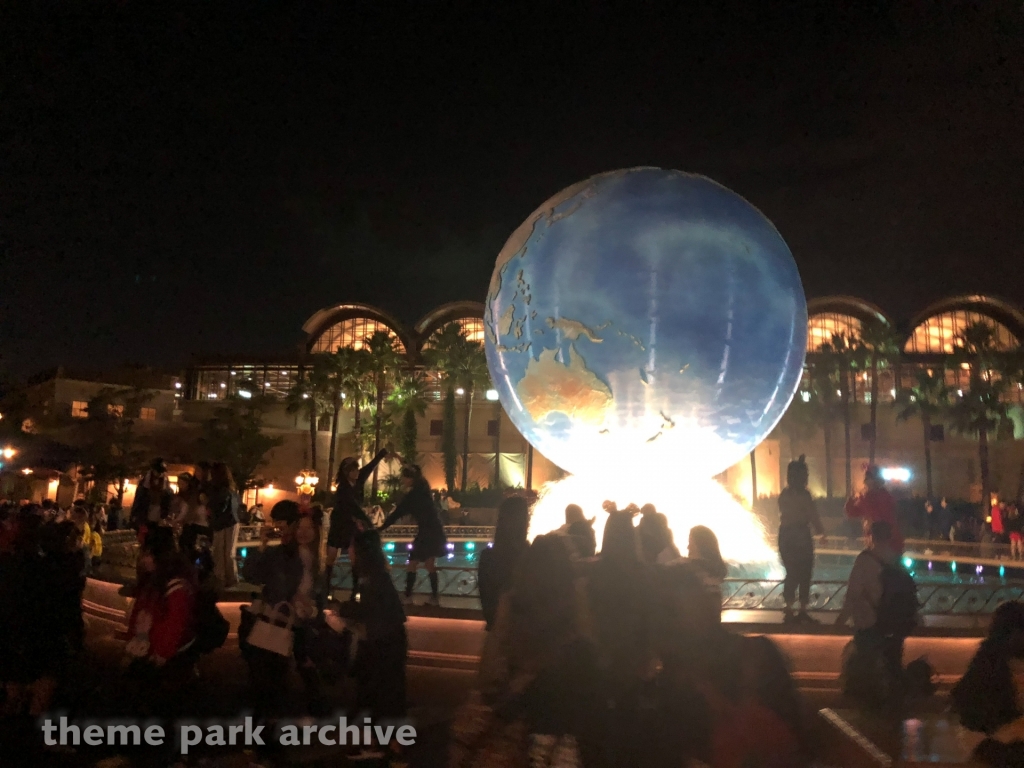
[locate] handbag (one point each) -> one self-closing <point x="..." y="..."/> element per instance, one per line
<point x="272" y="630"/>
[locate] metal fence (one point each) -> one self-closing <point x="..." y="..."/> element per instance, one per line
<point x="120" y="550"/>
<point x="935" y="599"/>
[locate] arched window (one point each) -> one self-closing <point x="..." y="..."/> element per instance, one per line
<point x="473" y="327"/>
<point x="823" y="326"/>
<point x="937" y="335"/>
<point x="352" y="332"/>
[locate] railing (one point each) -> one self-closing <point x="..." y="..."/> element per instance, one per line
<point x="248" y="533"/>
<point x="452" y="581"/>
<point x="120" y="549"/>
<point x="935" y="599"/>
<point x="939" y="547"/>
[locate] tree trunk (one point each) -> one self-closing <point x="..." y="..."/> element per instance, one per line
<point x="449" y="449"/>
<point x="927" y="422"/>
<point x="828" y="459"/>
<point x="120" y="491"/>
<point x="331" y="453"/>
<point x="497" y="447"/>
<point x="465" y="437"/>
<point x="376" y="430"/>
<point x="986" y="500"/>
<point x="753" y="478"/>
<point x="529" y="466"/>
<point x="312" y="436"/>
<point x="874" y="409"/>
<point x="357" y="424"/>
<point x="844" y="394"/>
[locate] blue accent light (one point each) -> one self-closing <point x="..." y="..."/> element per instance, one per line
<point x="389" y="547"/>
<point x="470" y="546"/>
<point x="908" y="562"/>
<point x="451" y="546"/>
<point x="952" y="566"/>
<point x="245" y="551"/>
<point x="1002" y="571"/>
<point x="490" y="544"/>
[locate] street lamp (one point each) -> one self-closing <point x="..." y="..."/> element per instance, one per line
<point x="305" y="482"/>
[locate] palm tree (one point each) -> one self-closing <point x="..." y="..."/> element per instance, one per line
<point x="384" y="362"/>
<point x="800" y="421"/>
<point x="824" y="404"/>
<point x="840" y="357"/>
<point x="308" y="397"/>
<point x="350" y="368"/>
<point x="979" y="410"/>
<point x="463" y="365"/>
<point x="879" y="348"/>
<point x="408" y="399"/>
<point x="927" y="399"/>
<point x="449" y="450"/>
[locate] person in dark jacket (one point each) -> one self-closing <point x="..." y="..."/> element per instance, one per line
<point x="580" y="532"/>
<point x="152" y="502"/>
<point x="348" y="514"/>
<point x="498" y="563"/>
<point x="797" y="517"/>
<point x="223" y="510"/>
<point x="985" y="698"/>
<point x="379" y="666"/>
<point x="289" y="574"/>
<point x="430" y="541"/>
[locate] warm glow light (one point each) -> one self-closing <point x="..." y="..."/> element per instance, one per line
<point x="300" y="480"/>
<point x="26" y="471"/>
<point x="9" y="453"/>
<point x="686" y="501"/>
<point x="897" y="474"/>
<point x="460" y="391"/>
<point x="492" y="394"/>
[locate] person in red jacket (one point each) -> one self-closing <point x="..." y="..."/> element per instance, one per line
<point x="876" y="505"/>
<point x="161" y="627"/>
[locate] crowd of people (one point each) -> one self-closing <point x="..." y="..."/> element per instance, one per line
<point x="609" y="656"/>
<point x="619" y="658"/>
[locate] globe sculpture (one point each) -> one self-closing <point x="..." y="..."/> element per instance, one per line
<point x="644" y="319"/>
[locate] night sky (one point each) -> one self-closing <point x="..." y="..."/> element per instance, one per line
<point x="198" y="179"/>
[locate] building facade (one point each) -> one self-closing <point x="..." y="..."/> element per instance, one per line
<point x="499" y="454"/>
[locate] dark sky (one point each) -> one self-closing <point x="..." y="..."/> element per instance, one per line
<point x="188" y="179"/>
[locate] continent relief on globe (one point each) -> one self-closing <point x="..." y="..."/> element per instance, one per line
<point x="549" y="387"/>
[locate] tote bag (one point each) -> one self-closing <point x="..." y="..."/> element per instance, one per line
<point x="272" y="630"/>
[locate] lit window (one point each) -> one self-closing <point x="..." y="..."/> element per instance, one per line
<point x="80" y="409"/>
<point x="147" y="414"/>
<point x="938" y="334"/>
<point x="115" y="409"/>
<point x="821" y="328"/>
<point x="352" y="333"/>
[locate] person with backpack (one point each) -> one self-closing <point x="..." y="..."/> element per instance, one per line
<point x="881" y="600"/>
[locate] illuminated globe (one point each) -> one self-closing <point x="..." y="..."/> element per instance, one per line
<point x="644" y="315"/>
